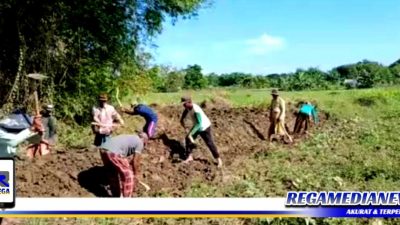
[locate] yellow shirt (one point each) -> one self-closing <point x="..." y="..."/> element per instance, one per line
<point x="279" y="104"/>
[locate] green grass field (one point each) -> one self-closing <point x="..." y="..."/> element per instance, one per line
<point x="357" y="149"/>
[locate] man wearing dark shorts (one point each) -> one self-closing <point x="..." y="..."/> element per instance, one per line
<point x="148" y="114"/>
<point x="115" y="153"/>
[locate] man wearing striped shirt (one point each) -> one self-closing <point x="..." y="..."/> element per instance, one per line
<point x="201" y="126"/>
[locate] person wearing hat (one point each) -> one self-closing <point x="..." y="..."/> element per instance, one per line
<point x="124" y="171"/>
<point x="49" y="124"/>
<point x="104" y="116"/>
<point x="306" y="115"/>
<point x="201" y="126"/>
<point x="277" y="117"/>
<point x="147" y="113"/>
<point x="48" y="135"/>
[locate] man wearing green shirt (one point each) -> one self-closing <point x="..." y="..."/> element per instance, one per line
<point x="201" y="126"/>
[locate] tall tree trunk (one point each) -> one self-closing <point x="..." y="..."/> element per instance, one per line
<point x="21" y="60"/>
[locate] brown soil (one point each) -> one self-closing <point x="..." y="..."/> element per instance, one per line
<point x="238" y="132"/>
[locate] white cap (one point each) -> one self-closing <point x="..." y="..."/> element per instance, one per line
<point x="49" y="107"/>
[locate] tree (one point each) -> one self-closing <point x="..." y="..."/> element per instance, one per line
<point x="194" y="78"/>
<point x="396" y="71"/>
<point x="212" y="80"/>
<point x="174" y="81"/>
<point x="79" y="44"/>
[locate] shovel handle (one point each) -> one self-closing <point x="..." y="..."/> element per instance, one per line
<point x="36" y="103"/>
<point x="144" y="185"/>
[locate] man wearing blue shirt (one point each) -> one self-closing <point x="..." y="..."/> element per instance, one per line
<point x="148" y="114"/>
<point x="306" y="114"/>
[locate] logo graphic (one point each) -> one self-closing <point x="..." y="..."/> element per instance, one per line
<point x="4" y="179"/>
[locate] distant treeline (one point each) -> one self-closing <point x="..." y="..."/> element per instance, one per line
<point x="364" y="74"/>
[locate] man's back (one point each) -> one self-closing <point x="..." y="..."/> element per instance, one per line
<point x="146" y="112"/>
<point x="124" y="145"/>
<point x="307" y="109"/>
<point x="204" y="120"/>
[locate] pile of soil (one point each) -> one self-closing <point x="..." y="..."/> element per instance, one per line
<point x="238" y="132"/>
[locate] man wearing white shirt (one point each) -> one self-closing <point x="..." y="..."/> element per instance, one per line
<point x="201" y="126"/>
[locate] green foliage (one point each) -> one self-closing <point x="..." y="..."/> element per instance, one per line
<point x="194" y="78"/>
<point x="366" y="73"/>
<point x="395" y="70"/>
<point x="212" y="80"/>
<point x="174" y="81"/>
<point x="82" y="47"/>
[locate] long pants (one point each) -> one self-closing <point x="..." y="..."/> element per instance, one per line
<point x="150" y="128"/>
<point x="302" y="118"/>
<point x="206" y="135"/>
<point x="121" y="173"/>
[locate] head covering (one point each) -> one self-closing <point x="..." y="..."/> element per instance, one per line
<point x="103" y="97"/>
<point x="186" y="99"/>
<point x="49" y="107"/>
<point x="274" y="92"/>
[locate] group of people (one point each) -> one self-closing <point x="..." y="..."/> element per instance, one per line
<point x="121" y="154"/>
<point x="306" y="116"/>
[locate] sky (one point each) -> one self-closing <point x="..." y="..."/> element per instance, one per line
<point x="277" y="36"/>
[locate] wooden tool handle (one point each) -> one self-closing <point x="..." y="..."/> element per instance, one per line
<point x="36" y="103"/>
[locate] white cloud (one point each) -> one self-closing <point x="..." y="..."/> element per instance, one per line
<point x="264" y="44"/>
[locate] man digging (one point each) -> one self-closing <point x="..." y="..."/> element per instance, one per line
<point x="148" y="114"/>
<point x="124" y="172"/>
<point x="201" y="126"/>
<point x="306" y="115"/>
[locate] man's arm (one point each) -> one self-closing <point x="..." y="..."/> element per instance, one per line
<point x="135" y="162"/>
<point x="183" y="116"/>
<point x="95" y="114"/>
<point x="197" y="126"/>
<point x="133" y="111"/>
<point x="314" y="113"/>
<point x="52" y="129"/>
<point x="129" y="111"/>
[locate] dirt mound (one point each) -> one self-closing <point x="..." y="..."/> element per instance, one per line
<point x="238" y="133"/>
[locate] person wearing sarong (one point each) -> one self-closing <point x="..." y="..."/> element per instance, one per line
<point x="123" y="172"/>
<point x="277" y="117"/>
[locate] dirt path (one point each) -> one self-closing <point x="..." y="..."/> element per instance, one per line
<point x="238" y="132"/>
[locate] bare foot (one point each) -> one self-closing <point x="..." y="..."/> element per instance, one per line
<point x="189" y="159"/>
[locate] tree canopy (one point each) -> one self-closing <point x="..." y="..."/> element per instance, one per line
<point x="83" y="46"/>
